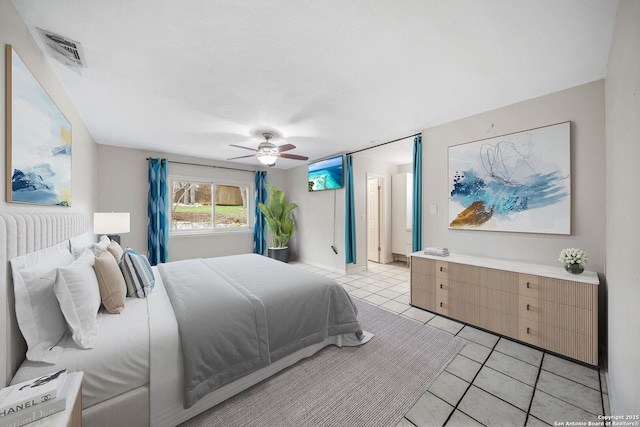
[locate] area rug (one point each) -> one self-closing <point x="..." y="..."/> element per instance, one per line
<point x="373" y="385"/>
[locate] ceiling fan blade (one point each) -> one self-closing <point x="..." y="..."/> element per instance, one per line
<point x="285" y="147"/>
<point x="240" y="146"/>
<point x="294" y="157"/>
<point x="242" y="157"/>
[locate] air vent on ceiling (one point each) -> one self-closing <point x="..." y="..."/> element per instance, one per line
<point x="68" y="52"/>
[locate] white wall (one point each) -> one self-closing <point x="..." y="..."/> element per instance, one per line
<point x="584" y="107"/>
<point x="405" y="168"/>
<point x="84" y="177"/>
<point x="623" y="205"/>
<point x="314" y="218"/>
<point x="123" y="187"/>
<point x="401" y="214"/>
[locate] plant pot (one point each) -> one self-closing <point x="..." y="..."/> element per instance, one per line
<point x="280" y="254"/>
<point x="574" y="268"/>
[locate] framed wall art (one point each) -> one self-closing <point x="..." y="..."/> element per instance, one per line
<point x="519" y="182"/>
<point x="38" y="135"/>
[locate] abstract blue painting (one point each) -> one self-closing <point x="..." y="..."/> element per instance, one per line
<point x="38" y="140"/>
<point x="519" y="182"/>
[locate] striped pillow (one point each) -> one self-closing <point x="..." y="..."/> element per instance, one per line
<point x="137" y="273"/>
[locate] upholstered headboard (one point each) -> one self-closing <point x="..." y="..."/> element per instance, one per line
<point x="22" y="233"/>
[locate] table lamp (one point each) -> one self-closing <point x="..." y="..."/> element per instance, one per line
<point x="111" y="223"/>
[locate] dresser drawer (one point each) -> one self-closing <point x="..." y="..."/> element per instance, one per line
<point x="423" y="266"/>
<point x="503" y="302"/>
<point x="442" y="300"/>
<point x="442" y="269"/>
<point x="572" y="344"/>
<point x="528" y="308"/>
<point x="528" y="285"/>
<point x="442" y="307"/>
<point x="423" y="299"/>
<point x="465" y="311"/>
<point x="442" y="292"/>
<point x="499" y="280"/>
<point x="442" y="284"/>
<point x="528" y="331"/>
<point x="502" y="323"/>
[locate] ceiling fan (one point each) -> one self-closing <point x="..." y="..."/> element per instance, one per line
<point x="267" y="152"/>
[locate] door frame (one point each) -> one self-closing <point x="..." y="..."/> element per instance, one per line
<point x="381" y="215"/>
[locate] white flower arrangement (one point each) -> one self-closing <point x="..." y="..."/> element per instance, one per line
<point x="573" y="256"/>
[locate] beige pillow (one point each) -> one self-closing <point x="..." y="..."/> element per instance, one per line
<point x="116" y="250"/>
<point x="113" y="289"/>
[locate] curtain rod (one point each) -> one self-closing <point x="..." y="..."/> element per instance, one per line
<point x="208" y="166"/>
<point x="384" y="143"/>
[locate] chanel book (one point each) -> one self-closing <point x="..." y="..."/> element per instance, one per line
<point x="43" y="409"/>
<point x="26" y="395"/>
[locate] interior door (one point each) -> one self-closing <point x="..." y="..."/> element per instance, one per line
<point x="373" y="219"/>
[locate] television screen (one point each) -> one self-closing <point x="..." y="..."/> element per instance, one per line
<point x="326" y="174"/>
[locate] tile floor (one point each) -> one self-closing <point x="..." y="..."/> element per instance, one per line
<point x="493" y="381"/>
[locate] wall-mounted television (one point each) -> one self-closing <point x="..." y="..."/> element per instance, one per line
<point x="326" y="174"/>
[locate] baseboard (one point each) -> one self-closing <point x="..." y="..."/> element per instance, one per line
<point x="605" y="368"/>
<point x="400" y="257"/>
<point x="353" y="269"/>
<point x="322" y="266"/>
<point x="612" y="403"/>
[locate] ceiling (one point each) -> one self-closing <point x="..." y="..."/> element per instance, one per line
<point x="327" y="76"/>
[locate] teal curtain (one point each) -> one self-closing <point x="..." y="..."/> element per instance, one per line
<point x="417" y="193"/>
<point x="158" y="211"/>
<point x="259" y="232"/>
<point x="350" y="215"/>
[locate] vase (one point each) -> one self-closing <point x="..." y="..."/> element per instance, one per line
<point x="574" y="268"/>
<point x="280" y="254"/>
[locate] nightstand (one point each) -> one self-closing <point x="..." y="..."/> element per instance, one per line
<point x="72" y="416"/>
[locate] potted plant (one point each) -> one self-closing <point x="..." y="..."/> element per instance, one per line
<point x="279" y="224"/>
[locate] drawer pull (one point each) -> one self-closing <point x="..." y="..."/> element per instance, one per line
<point x="441" y="304"/>
<point x="527" y="330"/>
<point x="441" y="269"/>
<point x="527" y="285"/>
<point x="527" y="307"/>
<point x="440" y="285"/>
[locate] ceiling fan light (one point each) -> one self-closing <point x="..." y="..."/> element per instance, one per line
<point x="268" y="159"/>
<point x="268" y="153"/>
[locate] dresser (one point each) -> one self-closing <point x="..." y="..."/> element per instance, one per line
<point x="539" y="305"/>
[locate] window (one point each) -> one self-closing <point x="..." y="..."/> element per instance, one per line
<point x="201" y="205"/>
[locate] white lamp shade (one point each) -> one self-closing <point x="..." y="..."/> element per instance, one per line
<point x="110" y="222"/>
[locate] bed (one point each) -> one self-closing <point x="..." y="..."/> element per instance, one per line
<point x="138" y="378"/>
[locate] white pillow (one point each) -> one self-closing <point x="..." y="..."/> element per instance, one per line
<point x="37" y="310"/>
<point x="77" y="290"/>
<point x="101" y="246"/>
<point x="79" y="243"/>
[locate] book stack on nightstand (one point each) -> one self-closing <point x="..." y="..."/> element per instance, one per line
<point x="38" y="399"/>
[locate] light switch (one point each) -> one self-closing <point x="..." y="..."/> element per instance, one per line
<point x="434" y="209"/>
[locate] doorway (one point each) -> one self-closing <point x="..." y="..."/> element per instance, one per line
<point x="374" y="220"/>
